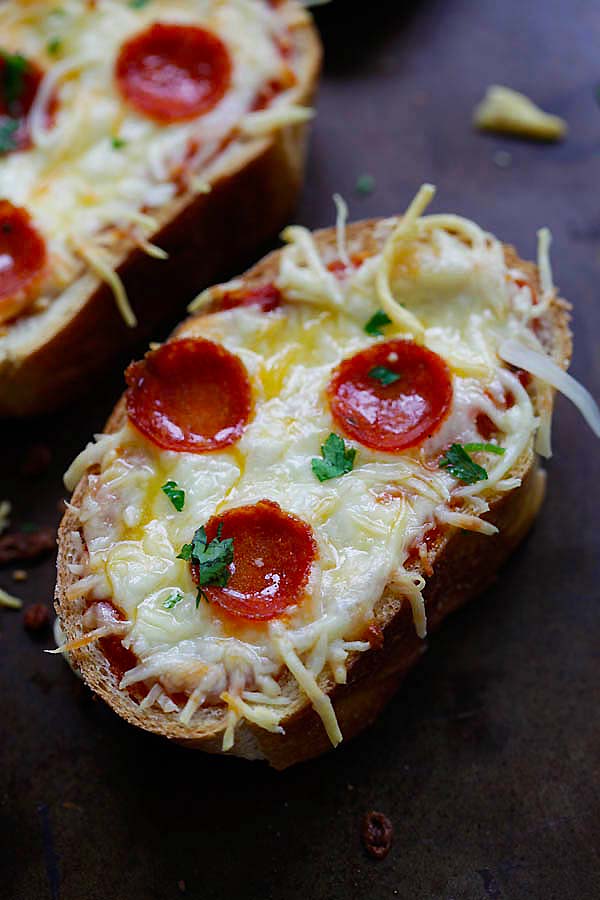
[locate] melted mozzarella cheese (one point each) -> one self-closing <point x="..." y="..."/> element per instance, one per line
<point x="104" y="169"/>
<point x="453" y="280"/>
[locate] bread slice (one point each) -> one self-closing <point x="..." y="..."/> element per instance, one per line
<point x="458" y="565"/>
<point x="50" y="356"/>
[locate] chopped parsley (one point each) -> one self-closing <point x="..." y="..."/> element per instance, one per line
<point x="458" y="462"/>
<point x="53" y="46"/>
<point x="7" y="130"/>
<point x="15" y="67"/>
<point x="212" y="560"/>
<point x="383" y="375"/>
<point x="117" y="143"/>
<point x="172" y="600"/>
<point x="365" y="184"/>
<point x="138" y="4"/>
<point x="337" y="459"/>
<point x="376" y="323"/>
<point x="175" y="494"/>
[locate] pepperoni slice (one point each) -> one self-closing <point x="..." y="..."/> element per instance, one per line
<point x="391" y="415"/>
<point x="22" y="260"/>
<point x="19" y="83"/>
<point x="190" y="395"/>
<point x="273" y="552"/>
<point x="173" y="72"/>
<point x="266" y="296"/>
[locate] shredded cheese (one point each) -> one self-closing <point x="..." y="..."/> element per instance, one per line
<point x="340" y="228"/>
<point x="548" y="291"/>
<point x="259" y="715"/>
<point x="150" y="249"/>
<point x="102" y="268"/>
<point x="505" y="110"/>
<point x="91" y="637"/>
<point x="213" y="293"/>
<point x="398" y="314"/>
<point x="465" y="521"/>
<point x="265" y="121"/>
<point x="411" y="586"/>
<point x="152" y="696"/>
<point x="547" y="370"/>
<point x="200" y="186"/>
<point x="4" y="515"/>
<point x="93" y="453"/>
<point x="7" y="600"/>
<point x="319" y="699"/>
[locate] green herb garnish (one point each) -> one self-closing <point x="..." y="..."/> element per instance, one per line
<point x="175" y="494"/>
<point x="117" y="143"/>
<point x="138" y="4"/>
<point x="15" y="67"/>
<point x="458" y="462"/>
<point x="53" y="46"/>
<point x="173" y="600"/>
<point x="7" y="130"/>
<point x="212" y="560"/>
<point x="376" y="323"/>
<point x="484" y="448"/>
<point x="365" y="184"/>
<point x="337" y="459"/>
<point x="383" y="375"/>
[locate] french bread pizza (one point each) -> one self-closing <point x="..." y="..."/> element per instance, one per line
<point x="145" y="147"/>
<point x="330" y="455"/>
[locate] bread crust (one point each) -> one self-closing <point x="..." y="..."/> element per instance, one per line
<point x="463" y="564"/>
<point x="206" y="236"/>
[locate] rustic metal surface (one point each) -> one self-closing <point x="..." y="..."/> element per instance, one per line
<point x="487" y="760"/>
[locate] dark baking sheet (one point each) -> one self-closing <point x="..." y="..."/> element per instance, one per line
<point x="487" y="760"/>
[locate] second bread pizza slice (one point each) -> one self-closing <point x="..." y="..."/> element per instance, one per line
<point x="145" y="148"/>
